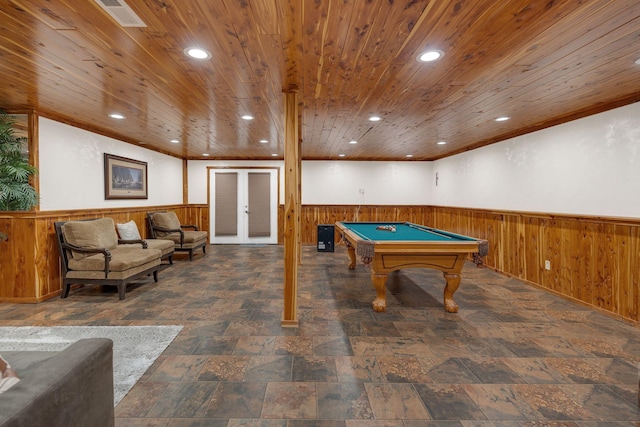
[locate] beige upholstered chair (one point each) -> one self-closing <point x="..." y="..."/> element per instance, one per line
<point x="186" y="238"/>
<point x="90" y="254"/>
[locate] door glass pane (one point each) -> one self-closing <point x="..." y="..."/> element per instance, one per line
<point x="226" y="212"/>
<point x="259" y="209"/>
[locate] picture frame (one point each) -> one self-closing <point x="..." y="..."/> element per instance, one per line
<point x="124" y="178"/>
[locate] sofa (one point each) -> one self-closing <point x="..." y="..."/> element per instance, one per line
<point x="92" y="254"/>
<point x="70" y="388"/>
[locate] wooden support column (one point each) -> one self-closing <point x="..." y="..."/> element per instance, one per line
<point x="299" y="188"/>
<point x="34" y="153"/>
<point x="291" y="209"/>
<point x="185" y="183"/>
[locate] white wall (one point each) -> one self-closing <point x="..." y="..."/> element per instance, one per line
<point x="71" y="170"/>
<point x="336" y="182"/>
<point x="384" y="183"/>
<point x="590" y="166"/>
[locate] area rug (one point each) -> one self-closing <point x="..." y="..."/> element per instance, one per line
<point x="135" y="348"/>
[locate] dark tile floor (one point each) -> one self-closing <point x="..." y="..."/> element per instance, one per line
<point x="514" y="355"/>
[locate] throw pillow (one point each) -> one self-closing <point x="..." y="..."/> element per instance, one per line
<point x="128" y="231"/>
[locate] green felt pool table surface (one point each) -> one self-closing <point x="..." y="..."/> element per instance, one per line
<point x="403" y="231"/>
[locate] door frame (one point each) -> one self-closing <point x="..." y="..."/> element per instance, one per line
<point x="214" y="169"/>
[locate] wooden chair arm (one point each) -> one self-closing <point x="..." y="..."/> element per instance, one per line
<point x="131" y="242"/>
<point x="193" y="226"/>
<point x="167" y="230"/>
<point x="75" y="248"/>
<point x="171" y="230"/>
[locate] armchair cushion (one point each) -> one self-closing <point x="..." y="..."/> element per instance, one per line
<point x="167" y="247"/>
<point x="100" y="233"/>
<point x="85" y="276"/>
<point x="166" y="220"/>
<point x="122" y="259"/>
<point x="190" y="237"/>
<point x="128" y="231"/>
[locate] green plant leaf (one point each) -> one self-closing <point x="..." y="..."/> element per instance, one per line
<point x="15" y="171"/>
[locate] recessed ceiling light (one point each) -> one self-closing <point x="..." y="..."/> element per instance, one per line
<point x="374" y="119"/>
<point x="116" y="116"/>
<point x="409" y="155"/>
<point x="247" y="117"/>
<point x="502" y="119"/>
<point x="205" y="154"/>
<point x="430" y="55"/>
<point x="263" y="141"/>
<point x="274" y="155"/>
<point x="175" y="141"/>
<point x="340" y="155"/>
<point x="441" y="142"/>
<point x="353" y="142"/>
<point x="197" y="53"/>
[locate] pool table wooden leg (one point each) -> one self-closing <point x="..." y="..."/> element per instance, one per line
<point x="453" y="282"/>
<point x="351" y="251"/>
<point x="380" y="284"/>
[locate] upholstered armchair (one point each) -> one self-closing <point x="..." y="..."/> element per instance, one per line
<point x="186" y="238"/>
<point x="90" y="254"/>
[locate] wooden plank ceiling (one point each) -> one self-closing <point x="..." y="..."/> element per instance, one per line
<point x="539" y="62"/>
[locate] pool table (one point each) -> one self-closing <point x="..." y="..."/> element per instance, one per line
<point x="390" y="246"/>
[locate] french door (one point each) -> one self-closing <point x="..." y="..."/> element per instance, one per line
<point x="243" y="206"/>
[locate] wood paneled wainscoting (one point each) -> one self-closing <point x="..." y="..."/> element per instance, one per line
<point x="593" y="260"/>
<point x="29" y="260"/>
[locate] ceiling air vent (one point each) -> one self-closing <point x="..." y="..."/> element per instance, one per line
<point x="121" y="12"/>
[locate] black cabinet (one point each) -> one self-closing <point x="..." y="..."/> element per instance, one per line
<point x="326" y="237"/>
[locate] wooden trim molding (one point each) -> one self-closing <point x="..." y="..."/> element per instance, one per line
<point x="34" y="152"/>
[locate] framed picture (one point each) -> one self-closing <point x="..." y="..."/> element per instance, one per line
<point x="124" y="178"/>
